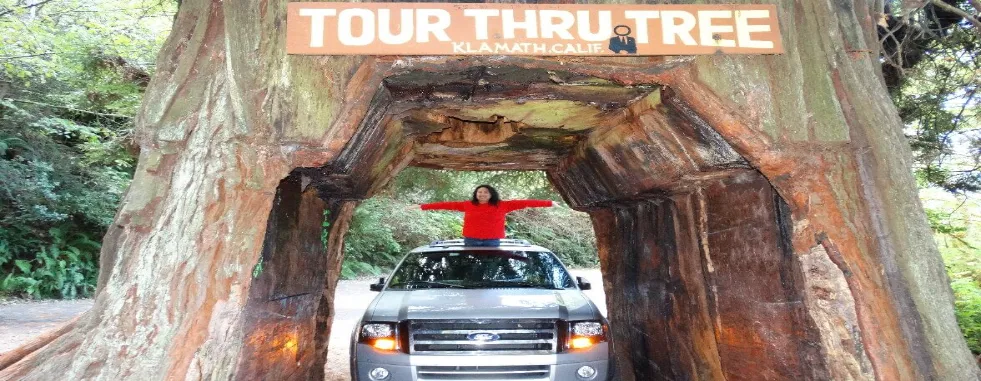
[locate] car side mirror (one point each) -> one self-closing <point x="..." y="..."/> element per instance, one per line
<point x="583" y="283"/>
<point x="378" y="286"/>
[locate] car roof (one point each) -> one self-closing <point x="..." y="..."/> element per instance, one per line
<point x="457" y="244"/>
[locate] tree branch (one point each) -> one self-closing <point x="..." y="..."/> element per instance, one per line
<point x="28" y="6"/>
<point x="960" y="12"/>
<point x="71" y="109"/>
<point x="16" y="354"/>
<point x="26" y="56"/>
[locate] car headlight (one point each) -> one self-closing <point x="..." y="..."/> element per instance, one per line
<point x="381" y="336"/>
<point x="586" y="372"/>
<point x="587" y="328"/>
<point x="378" y="374"/>
<point x="585" y="334"/>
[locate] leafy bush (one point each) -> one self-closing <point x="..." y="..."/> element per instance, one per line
<point x="568" y="233"/>
<point x="421" y="185"/>
<point x="72" y="78"/>
<point x="56" y="190"/>
<point x="958" y="235"/>
<point x="66" y="268"/>
<point x="963" y="262"/>
<point x="384" y="229"/>
<point x="967" y="305"/>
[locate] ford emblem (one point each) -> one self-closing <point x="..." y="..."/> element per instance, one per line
<point x="483" y="337"/>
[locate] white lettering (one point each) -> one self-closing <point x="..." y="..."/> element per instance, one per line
<point x="641" y="18"/>
<point x="458" y="47"/>
<point x="510" y="25"/>
<point x="708" y="32"/>
<point x="480" y="17"/>
<point x="345" y="27"/>
<point x="317" y="17"/>
<point x="385" y="27"/>
<point x="502" y="47"/>
<point x="683" y="30"/>
<point x="743" y="29"/>
<point x="425" y="27"/>
<point x="605" y="21"/>
<point x="550" y="28"/>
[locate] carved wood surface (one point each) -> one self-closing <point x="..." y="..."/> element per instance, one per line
<point x="722" y="190"/>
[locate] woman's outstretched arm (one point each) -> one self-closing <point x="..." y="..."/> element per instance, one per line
<point x="512" y="205"/>
<point x="449" y="205"/>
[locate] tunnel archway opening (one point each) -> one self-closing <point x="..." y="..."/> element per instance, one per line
<point x="694" y="243"/>
<point x="386" y="226"/>
<point x="391" y="222"/>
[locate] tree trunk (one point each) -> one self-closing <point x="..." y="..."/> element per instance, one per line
<point x="756" y="215"/>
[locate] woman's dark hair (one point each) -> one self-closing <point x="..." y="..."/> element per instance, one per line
<point x="495" y="198"/>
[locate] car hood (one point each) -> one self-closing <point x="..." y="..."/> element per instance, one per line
<point x="502" y="303"/>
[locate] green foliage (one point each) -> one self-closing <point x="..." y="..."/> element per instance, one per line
<point x="967" y="303"/>
<point x="566" y="232"/>
<point x="384" y="229"/>
<point x="66" y="268"/>
<point x="257" y="269"/>
<point x="67" y="41"/>
<point x="935" y="84"/>
<point x="957" y="225"/>
<point x="72" y="75"/>
<point x="931" y="63"/>
<point x="421" y="185"/>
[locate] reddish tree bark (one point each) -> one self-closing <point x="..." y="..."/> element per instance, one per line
<point x="244" y="147"/>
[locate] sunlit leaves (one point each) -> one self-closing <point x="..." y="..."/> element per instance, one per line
<point x="427" y="185"/>
<point x="956" y="221"/>
<point x="53" y="40"/>
<point x="72" y="75"/>
<point x="939" y="102"/>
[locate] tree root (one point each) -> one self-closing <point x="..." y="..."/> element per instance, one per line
<point x="13" y="356"/>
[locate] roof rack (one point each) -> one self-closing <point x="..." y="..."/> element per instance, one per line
<point x="447" y="242"/>
<point x="459" y="242"/>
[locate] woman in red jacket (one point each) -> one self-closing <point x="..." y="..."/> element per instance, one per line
<point x="483" y="215"/>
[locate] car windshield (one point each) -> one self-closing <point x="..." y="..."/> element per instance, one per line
<point x="481" y="269"/>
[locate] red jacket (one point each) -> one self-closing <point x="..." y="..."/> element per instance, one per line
<point x="485" y="221"/>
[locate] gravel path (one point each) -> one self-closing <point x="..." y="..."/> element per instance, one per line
<point x="21" y="321"/>
<point x="350" y="300"/>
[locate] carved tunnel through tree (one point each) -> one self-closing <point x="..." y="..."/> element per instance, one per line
<point x="242" y="145"/>
<point x="694" y="244"/>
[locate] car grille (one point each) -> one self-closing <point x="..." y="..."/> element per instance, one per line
<point x="496" y="373"/>
<point x="484" y="336"/>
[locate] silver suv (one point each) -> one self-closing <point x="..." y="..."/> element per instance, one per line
<point x="455" y="312"/>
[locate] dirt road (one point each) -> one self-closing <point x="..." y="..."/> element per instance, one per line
<point x="21" y="321"/>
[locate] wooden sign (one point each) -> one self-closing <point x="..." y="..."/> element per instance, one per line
<point x="536" y="30"/>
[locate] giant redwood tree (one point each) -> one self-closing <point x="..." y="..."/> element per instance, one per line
<point x="756" y="215"/>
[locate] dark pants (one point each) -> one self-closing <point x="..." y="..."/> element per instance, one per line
<point x="481" y="242"/>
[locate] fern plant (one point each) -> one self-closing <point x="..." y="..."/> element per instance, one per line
<point x="67" y="268"/>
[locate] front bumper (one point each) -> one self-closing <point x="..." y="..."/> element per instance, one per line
<point x="414" y="367"/>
